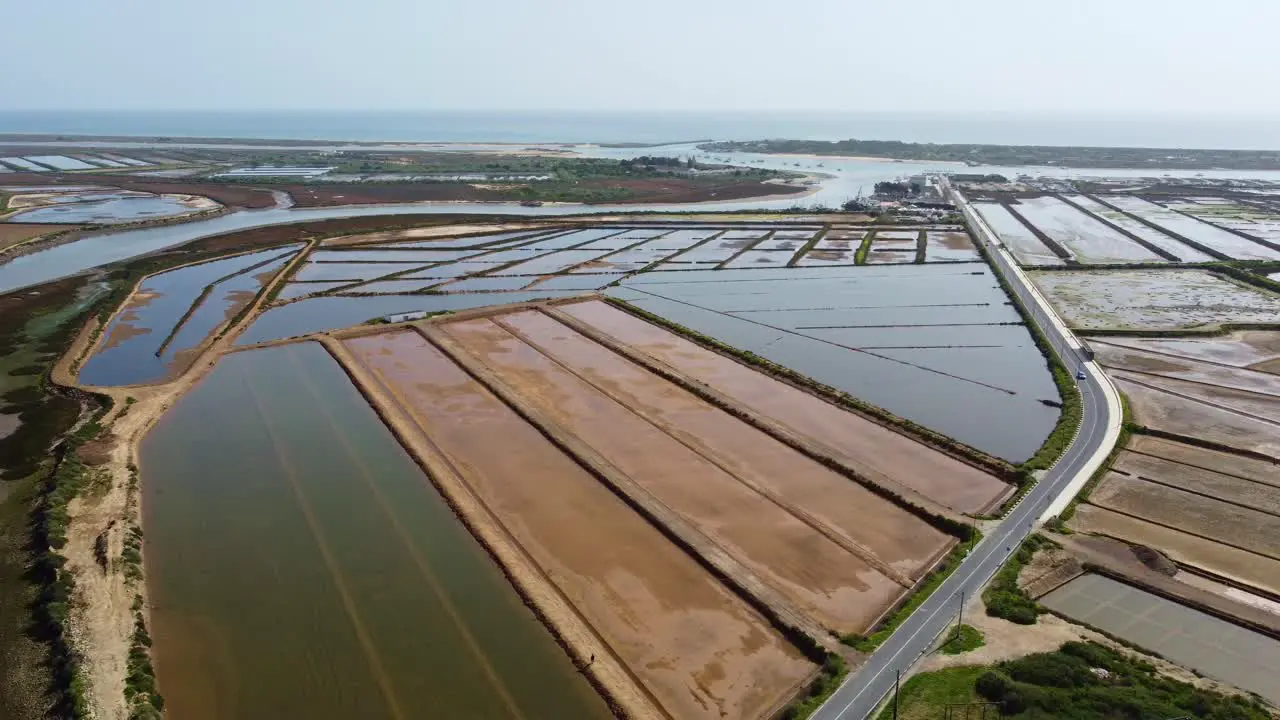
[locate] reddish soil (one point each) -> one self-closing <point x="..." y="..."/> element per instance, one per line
<point x="646" y="190"/>
<point x="871" y="449"/>
<point x="13" y="233"/>
<point x="691" y="643"/>
<point x="831" y="584"/>
<point x="885" y="532"/>
<point x="1207" y="517"/>
<point x="1242" y="566"/>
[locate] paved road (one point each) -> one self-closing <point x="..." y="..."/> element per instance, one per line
<point x="863" y="691"/>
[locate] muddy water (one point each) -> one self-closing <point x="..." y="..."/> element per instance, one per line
<point x="835" y="586"/>
<point x="301" y="565"/>
<point x="689" y="641"/>
<point x="169" y="316"/>
<point x="859" y="442"/>
<point x="892" y="534"/>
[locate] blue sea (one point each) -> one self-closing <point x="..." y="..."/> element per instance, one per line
<point x="662" y="127"/>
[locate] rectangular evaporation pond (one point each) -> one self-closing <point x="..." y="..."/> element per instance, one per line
<point x="485" y="284"/>
<point x="1182" y="251"/>
<point x="781" y="243"/>
<point x="631" y="584"/>
<point x="1201" y="232"/>
<point x="572" y="239"/>
<point x="452" y="270"/>
<point x="1010" y="426"/>
<point x="761" y="258"/>
<point x="802" y="235"/>
<point x="614" y="242"/>
<point x="421" y="257"/>
<point x="320" y="272"/>
<point x="297" y="290"/>
<point x="314" y="498"/>
<point x="850" y="241"/>
<point x="446" y="243"/>
<point x="889" y="257"/>
<point x="318" y="314"/>
<point x="687" y="266"/>
<point x="643" y="233"/>
<point x="715" y="251"/>
<point x="130" y="351"/>
<point x="60" y="162"/>
<point x="896" y="235"/>
<point x="390" y="287"/>
<point x="553" y="263"/>
<point x="1025" y="246"/>
<point x="1085" y="237"/>
<point x="917" y="287"/>
<point x="680" y="239"/>
<point x="1191" y="638"/>
<point x="128" y="160"/>
<point x="743" y="235"/>
<point x="633" y="259"/>
<point x="516" y="254"/>
<point x="23" y="164"/>
<point x="106" y="162"/>
<point x="818" y="258"/>
<point x="581" y="283"/>
<point x="950" y="247"/>
<point x="836" y="586"/>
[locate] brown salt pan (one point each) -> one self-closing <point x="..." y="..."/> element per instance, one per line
<point x="859" y="443"/>
<point x="694" y="645"/>
<point x="831" y="584"/>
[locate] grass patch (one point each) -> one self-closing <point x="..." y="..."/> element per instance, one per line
<point x="860" y="257"/>
<point x="833" y="672"/>
<point x="1004" y="599"/>
<point x="962" y="639"/>
<point x="924" y="696"/>
<point x="887" y="626"/>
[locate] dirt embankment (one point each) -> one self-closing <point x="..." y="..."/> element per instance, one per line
<point x="102" y="617"/>
<point x="12" y="234"/>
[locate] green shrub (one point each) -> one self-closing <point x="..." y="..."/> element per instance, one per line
<point x="1004" y="599"/>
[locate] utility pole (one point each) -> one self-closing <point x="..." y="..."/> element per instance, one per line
<point x="897" y="680"/>
<point x="960" y="617"/>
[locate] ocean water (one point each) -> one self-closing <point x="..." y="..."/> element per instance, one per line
<point x="662" y="127"/>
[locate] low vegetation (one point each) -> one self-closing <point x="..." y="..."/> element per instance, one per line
<point x="1003" y="598"/>
<point x="833" y="672"/>
<point x="962" y="639"/>
<point x="1080" y="681"/>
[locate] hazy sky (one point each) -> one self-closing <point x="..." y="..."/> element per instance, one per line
<point x="1186" y="56"/>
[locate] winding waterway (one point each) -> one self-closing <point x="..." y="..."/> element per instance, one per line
<point x="845" y="178"/>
